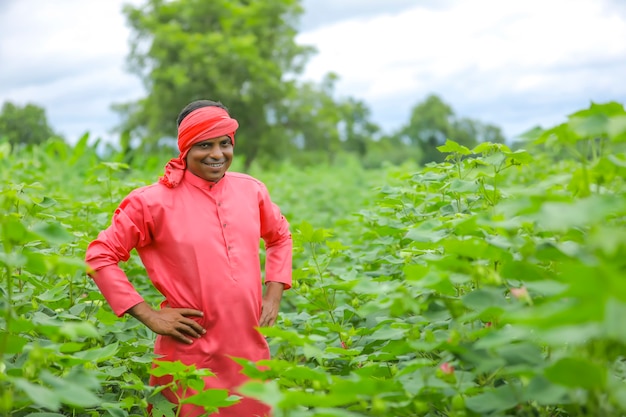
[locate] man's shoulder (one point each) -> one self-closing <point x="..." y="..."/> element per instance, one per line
<point x="150" y="192"/>
<point x="241" y="177"/>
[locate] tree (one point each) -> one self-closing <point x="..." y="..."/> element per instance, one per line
<point x="433" y="121"/>
<point x="311" y="119"/>
<point x="240" y="52"/>
<point x="358" y="130"/>
<point x="24" y="125"/>
<point x="430" y="124"/>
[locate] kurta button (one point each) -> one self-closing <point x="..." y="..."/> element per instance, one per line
<point x="224" y="225"/>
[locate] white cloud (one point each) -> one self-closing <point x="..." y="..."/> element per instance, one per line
<point x="67" y="56"/>
<point x="513" y="63"/>
<point x="483" y="51"/>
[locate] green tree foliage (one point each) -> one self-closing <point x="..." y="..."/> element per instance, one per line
<point x="433" y="121"/>
<point x="242" y="53"/>
<point x="24" y="125"/>
<point x="320" y="125"/>
<point x="311" y="120"/>
<point x="358" y="129"/>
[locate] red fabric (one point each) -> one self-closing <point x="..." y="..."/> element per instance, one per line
<point x="201" y="124"/>
<point x="199" y="243"/>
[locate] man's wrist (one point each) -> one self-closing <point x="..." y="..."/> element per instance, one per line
<point x="274" y="289"/>
<point x="142" y="312"/>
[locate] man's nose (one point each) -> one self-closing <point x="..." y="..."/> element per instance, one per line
<point x="215" y="152"/>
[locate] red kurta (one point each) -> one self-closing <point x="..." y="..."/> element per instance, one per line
<point x="199" y="243"/>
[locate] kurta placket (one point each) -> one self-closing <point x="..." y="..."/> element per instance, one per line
<point x="199" y="243"/>
<point x="224" y="219"/>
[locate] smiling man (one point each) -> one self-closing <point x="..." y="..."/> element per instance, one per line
<point x="197" y="231"/>
<point x="211" y="158"/>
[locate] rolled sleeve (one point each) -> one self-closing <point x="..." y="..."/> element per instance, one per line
<point x="278" y="243"/>
<point x="130" y="227"/>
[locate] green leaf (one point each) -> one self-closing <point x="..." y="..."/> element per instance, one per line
<point x="562" y="133"/>
<point x="99" y="354"/>
<point x="13" y="230"/>
<point x="42" y="396"/>
<point x="79" y="148"/>
<point x="617" y="128"/>
<point x="45" y="415"/>
<point x="614" y="320"/>
<point x="161" y="407"/>
<point x="426" y="232"/>
<point x="484" y="298"/>
<point x="78" y="330"/>
<point x="577" y="372"/>
<point x="302" y="373"/>
<point x="268" y="392"/>
<point x="490" y="401"/>
<point x="70" y="391"/>
<point x="52" y="232"/>
<point x="584" y="212"/>
<point x="287" y="335"/>
<point x="114" y="410"/>
<point x="163" y="368"/>
<point x="544" y="392"/>
<point x="250" y="369"/>
<point x="496" y="159"/>
<point x="594" y="122"/>
<point x="452" y="147"/>
<point x="211" y="399"/>
<point x="531" y="135"/>
<point x="546" y="288"/>
<point x="114" y="166"/>
<point x="519" y="157"/>
<point x="463" y="186"/>
<point x="13" y="343"/>
<point x="415" y="272"/>
<point x="521" y="353"/>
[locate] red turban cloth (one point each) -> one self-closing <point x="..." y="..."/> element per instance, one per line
<point x="201" y="124"/>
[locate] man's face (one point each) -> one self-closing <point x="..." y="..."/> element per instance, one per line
<point x="210" y="158"/>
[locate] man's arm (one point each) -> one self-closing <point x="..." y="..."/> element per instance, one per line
<point x="174" y="322"/>
<point x="271" y="303"/>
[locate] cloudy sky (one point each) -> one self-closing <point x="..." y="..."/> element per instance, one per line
<point x="515" y="63"/>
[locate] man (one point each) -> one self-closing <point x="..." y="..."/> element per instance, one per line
<point x="197" y="232"/>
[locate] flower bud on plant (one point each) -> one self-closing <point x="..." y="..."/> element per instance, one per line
<point x="378" y="405"/>
<point x="420" y="407"/>
<point x="454" y="338"/>
<point x="458" y="402"/>
<point x="6" y="401"/>
<point x="446" y="368"/>
<point x="521" y="294"/>
<point x="445" y="372"/>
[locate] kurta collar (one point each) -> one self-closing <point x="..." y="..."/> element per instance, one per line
<point x="202" y="183"/>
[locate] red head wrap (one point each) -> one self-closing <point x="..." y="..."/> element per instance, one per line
<point x="201" y="124"/>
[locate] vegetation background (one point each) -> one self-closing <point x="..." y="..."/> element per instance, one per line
<point x="437" y="270"/>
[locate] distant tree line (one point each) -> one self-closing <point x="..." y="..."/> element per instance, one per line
<point x="244" y="54"/>
<point x="26" y="124"/>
